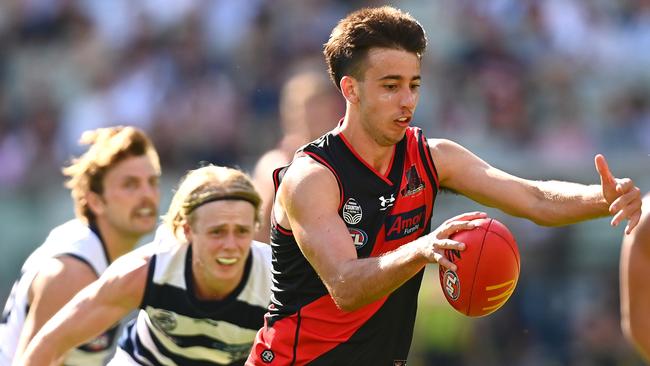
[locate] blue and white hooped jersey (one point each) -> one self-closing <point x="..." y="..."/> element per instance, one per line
<point x="173" y="327"/>
<point x="73" y="238"/>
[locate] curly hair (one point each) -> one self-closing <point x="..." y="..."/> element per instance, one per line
<point x="357" y="33"/>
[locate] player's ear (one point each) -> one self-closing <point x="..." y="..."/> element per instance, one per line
<point x="95" y="202"/>
<point x="187" y="230"/>
<point x="350" y="89"/>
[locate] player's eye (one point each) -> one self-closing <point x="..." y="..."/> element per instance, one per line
<point x="131" y="184"/>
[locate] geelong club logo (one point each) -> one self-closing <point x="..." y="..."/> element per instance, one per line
<point x="452" y="284"/>
<point x="163" y="320"/>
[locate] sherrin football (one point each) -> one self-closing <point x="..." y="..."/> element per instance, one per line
<point x="487" y="270"/>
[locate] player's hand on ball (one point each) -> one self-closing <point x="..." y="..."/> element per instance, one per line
<point x="438" y="240"/>
<point x="622" y="195"/>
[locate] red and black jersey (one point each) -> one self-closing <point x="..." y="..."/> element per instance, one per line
<point x="303" y="325"/>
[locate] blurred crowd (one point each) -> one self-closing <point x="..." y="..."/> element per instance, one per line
<point x="560" y="78"/>
<point x="552" y="81"/>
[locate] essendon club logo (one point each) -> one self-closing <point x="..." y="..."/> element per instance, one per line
<point x="414" y="183"/>
<point x="405" y="223"/>
<point x="451" y="283"/>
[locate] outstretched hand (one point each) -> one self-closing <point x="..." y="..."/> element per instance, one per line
<point x="623" y="197"/>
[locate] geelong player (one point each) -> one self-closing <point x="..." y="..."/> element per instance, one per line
<point x="353" y="209"/>
<point x="202" y="285"/>
<point x="635" y="284"/>
<point x="115" y="191"/>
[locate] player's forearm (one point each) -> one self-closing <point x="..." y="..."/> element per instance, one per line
<point x="563" y="203"/>
<point x="44" y="349"/>
<point x="362" y="281"/>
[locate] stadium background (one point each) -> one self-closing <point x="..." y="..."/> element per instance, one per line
<point x="534" y="87"/>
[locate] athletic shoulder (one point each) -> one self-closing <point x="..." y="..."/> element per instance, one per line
<point x="66" y="270"/>
<point x="305" y="167"/>
<point x="442" y="145"/>
<point x="306" y="176"/>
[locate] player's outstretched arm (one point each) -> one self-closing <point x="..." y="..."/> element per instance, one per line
<point x="550" y="203"/>
<point x="55" y="284"/>
<point x="308" y="202"/>
<point x="96" y="308"/>
<point x="635" y="284"/>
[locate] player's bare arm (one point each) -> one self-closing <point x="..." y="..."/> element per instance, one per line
<point x="98" y="307"/>
<point x="59" y="280"/>
<point x="308" y="201"/>
<point x="549" y="203"/>
<point x="263" y="180"/>
<point x="635" y="287"/>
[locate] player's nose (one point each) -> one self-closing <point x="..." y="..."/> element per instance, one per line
<point x="409" y="99"/>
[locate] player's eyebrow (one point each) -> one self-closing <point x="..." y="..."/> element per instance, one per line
<point x="398" y="77"/>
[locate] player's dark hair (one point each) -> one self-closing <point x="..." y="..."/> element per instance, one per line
<point x="357" y="33"/>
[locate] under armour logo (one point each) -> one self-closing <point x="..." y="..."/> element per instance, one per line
<point x="386" y="202"/>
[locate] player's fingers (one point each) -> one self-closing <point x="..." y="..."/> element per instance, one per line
<point x="630" y="201"/>
<point x="624" y="185"/>
<point x="602" y="168"/>
<point x="627" y="212"/>
<point x="454" y="227"/>
<point x="633" y="221"/>
<point x="448" y="244"/>
<point x="444" y="262"/>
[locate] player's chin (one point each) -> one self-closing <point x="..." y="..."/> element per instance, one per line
<point x="144" y="225"/>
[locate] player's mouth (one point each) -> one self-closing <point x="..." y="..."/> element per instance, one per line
<point x="403" y="121"/>
<point x="227" y="261"/>
<point x="145" y="212"/>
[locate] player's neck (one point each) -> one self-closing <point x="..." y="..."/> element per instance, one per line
<point x="374" y="154"/>
<point x="207" y="288"/>
<point x="117" y="243"/>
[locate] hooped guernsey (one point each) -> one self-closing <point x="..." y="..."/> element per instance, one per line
<point x="174" y="327"/>
<point x="303" y="324"/>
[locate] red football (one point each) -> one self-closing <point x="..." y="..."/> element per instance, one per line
<point x="488" y="269"/>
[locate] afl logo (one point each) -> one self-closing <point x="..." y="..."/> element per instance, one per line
<point x="359" y="237"/>
<point x="352" y="212"/>
<point x="452" y="284"/>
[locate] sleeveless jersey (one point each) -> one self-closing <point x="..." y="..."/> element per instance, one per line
<point x="75" y="239"/>
<point x="173" y="327"/>
<point x="303" y="325"/>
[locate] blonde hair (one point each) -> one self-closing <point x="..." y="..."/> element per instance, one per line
<point x="207" y="184"/>
<point x="108" y="146"/>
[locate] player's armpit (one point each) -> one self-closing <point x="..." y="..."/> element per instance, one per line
<point x="59" y="281"/>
